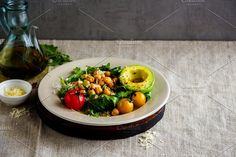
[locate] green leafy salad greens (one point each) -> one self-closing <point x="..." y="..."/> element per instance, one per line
<point x="97" y="104"/>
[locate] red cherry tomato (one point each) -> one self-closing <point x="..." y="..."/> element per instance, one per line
<point x="74" y="100"/>
<point x="81" y="99"/>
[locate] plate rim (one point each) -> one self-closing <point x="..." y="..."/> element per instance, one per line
<point x="104" y="124"/>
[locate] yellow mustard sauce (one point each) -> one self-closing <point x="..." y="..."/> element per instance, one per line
<point x="15" y="91"/>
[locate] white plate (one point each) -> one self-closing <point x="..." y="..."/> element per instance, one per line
<point x="52" y="103"/>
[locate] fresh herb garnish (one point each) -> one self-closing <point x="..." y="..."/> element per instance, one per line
<point x="55" y="56"/>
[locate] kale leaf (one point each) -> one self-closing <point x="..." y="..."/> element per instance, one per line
<point x="105" y="67"/>
<point x="103" y="102"/>
<point x="116" y="71"/>
<point x="148" y="95"/>
<point x="124" y="94"/>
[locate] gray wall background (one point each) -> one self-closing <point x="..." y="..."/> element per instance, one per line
<point x="134" y="19"/>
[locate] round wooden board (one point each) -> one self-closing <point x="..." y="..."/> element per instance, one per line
<point x="98" y="132"/>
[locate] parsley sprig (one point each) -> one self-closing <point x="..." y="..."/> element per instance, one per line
<point x="55" y="56"/>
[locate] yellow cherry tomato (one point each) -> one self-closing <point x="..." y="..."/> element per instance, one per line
<point x="139" y="99"/>
<point x="125" y="106"/>
<point x="115" y="112"/>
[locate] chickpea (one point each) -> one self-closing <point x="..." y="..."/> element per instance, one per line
<point x="98" y="76"/>
<point x="107" y="91"/>
<point x="107" y="73"/>
<point x="98" y="89"/>
<point x="86" y="83"/>
<point x="96" y="72"/>
<point x="79" y="82"/>
<point x="107" y="80"/>
<point x="115" y="112"/>
<point x="124" y="106"/>
<point x="103" y="75"/>
<point x="101" y="82"/>
<point x="90" y="79"/>
<point x="92" y="85"/>
<point x="139" y="99"/>
<point x="110" y="85"/>
<point x="92" y="92"/>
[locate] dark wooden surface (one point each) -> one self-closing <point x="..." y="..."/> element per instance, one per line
<point x="134" y="19"/>
<point x="98" y="132"/>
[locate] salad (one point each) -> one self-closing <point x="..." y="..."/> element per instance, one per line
<point x="105" y="90"/>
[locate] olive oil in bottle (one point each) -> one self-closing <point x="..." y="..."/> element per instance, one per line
<point x="21" y="62"/>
